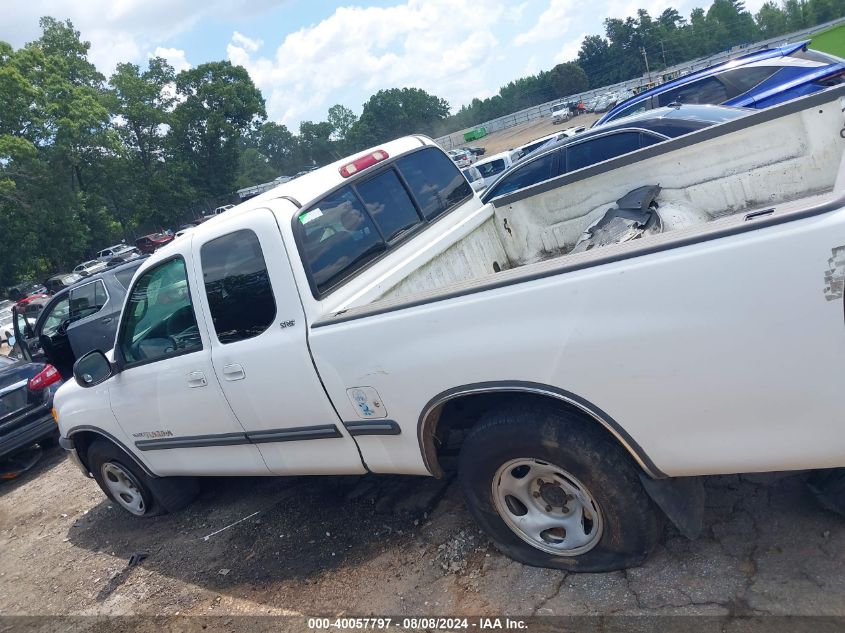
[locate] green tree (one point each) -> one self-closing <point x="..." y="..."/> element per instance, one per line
<point x="341" y="119"/>
<point x="771" y="20"/>
<point x="396" y="112"/>
<point x="568" y="79"/>
<point x="218" y="104"/>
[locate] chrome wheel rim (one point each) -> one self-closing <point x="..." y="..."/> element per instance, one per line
<point x="547" y="507"/>
<point x="123" y="488"/>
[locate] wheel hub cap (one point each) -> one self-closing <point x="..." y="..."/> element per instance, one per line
<point x="123" y="488"/>
<point x="547" y="507"/>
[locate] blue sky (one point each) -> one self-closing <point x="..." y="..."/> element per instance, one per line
<point x="305" y="56"/>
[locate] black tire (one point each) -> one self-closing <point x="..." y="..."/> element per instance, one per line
<point x="160" y="495"/>
<point x="631" y="523"/>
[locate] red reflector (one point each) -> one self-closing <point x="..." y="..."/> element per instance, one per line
<point x="359" y="164"/>
<point x="44" y="378"/>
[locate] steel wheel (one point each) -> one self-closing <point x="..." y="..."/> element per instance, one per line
<point x="123" y="488"/>
<point x="547" y="507"/>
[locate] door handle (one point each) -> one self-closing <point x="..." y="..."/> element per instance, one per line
<point x="233" y="372"/>
<point x="105" y="320"/>
<point x="196" y="379"/>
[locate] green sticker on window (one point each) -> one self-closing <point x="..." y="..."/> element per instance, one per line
<point x="308" y="216"/>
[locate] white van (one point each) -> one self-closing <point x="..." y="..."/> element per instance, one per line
<point x="494" y="166"/>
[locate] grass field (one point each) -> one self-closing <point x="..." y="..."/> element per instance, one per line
<point x="831" y="41"/>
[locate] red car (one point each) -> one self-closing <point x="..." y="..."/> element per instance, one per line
<point x="151" y="243"/>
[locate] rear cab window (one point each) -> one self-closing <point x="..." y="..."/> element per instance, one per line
<point x="360" y="222"/>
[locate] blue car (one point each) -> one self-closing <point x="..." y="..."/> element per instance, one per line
<point x="565" y="154"/>
<point x="757" y="80"/>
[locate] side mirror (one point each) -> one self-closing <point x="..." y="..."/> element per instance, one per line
<point x="478" y="185"/>
<point x="92" y="369"/>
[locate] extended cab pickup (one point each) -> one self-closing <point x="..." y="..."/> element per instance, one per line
<point x="375" y="316"/>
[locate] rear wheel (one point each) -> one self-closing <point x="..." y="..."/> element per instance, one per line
<point x="553" y="490"/>
<point x="125" y="483"/>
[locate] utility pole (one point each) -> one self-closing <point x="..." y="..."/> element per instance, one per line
<point x="663" y="50"/>
<point x="645" y="56"/>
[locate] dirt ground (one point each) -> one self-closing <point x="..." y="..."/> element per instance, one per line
<point x="390" y="545"/>
<point x="527" y="132"/>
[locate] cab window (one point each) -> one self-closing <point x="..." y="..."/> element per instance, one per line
<point x="435" y="181"/>
<point x="237" y="285"/>
<point x="338" y="236"/>
<point x="160" y="321"/>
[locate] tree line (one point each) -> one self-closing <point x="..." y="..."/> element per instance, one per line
<point x="86" y="160"/>
<point x="628" y="44"/>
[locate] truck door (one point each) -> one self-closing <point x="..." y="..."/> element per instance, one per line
<point x="260" y="349"/>
<point x="166" y="397"/>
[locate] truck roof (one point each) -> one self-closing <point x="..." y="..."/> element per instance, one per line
<point x="313" y="185"/>
<point x="303" y="191"/>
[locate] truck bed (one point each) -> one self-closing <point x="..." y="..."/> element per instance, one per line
<point x="787" y="154"/>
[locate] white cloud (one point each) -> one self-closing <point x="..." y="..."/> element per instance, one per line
<point x="246" y="43"/>
<point x="174" y="56"/>
<point x="445" y="47"/>
<point x="569" y="52"/>
<point x="120" y="30"/>
<point x="551" y="24"/>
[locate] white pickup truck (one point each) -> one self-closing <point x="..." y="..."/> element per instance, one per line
<point x="375" y="316"/>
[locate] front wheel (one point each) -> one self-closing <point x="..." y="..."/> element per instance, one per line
<point x="553" y="490"/>
<point x="131" y="488"/>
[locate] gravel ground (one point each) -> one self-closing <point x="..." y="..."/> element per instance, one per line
<point x="390" y="545"/>
<point x="526" y="132"/>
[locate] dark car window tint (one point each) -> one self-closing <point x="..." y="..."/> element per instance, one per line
<point x="338" y="237"/>
<point x="435" y="181"/>
<point x="600" y="149"/>
<point x="124" y="277"/>
<point x="526" y="175"/>
<point x="388" y="203"/>
<point x="634" y="108"/>
<point x="237" y="285"/>
<point x="741" y="80"/>
<point x="87" y="300"/>
<point x="492" y="168"/>
<point x="160" y="319"/>
<point x="707" y="90"/>
<point x="650" y="139"/>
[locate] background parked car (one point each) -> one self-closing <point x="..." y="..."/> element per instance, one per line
<point x="757" y="80"/>
<point x="603" y="143"/>
<point x="476" y="151"/>
<point x="25" y="289"/>
<point x="91" y="267"/>
<point x="118" y="250"/>
<point x="26" y="399"/>
<point x="222" y="209"/>
<point x="494" y="166"/>
<point x="76" y="320"/>
<point x="560" y="113"/>
<point x="461" y="157"/>
<point x="476" y="180"/>
<point x="59" y="282"/>
<point x="151" y="243"/>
